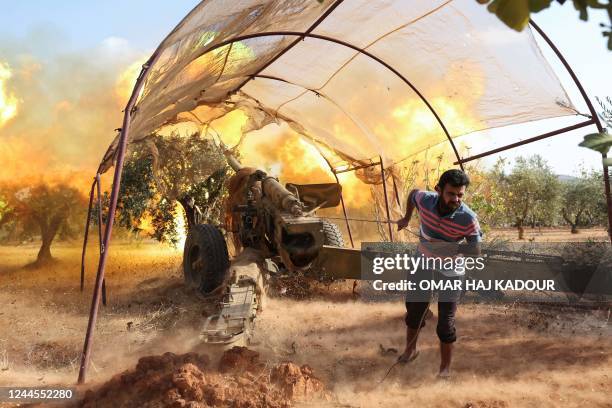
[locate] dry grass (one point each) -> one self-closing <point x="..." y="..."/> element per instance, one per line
<point x="500" y="360"/>
<point x="506" y="356"/>
<point x="547" y="234"/>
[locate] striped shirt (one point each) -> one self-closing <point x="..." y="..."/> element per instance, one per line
<point x="454" y="227"/>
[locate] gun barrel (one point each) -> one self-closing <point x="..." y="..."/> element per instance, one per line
<point x="232" y="161"/>
<point x="280" y="196"/>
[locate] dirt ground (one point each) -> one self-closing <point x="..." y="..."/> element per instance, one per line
<point x="506" y="355"/>
<point x="546" y="234"/>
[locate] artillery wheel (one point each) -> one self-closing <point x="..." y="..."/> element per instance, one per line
<point x="333" y="235"/>
<point x="205" y="258"/>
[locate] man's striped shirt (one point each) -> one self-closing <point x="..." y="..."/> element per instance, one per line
<point x="454" y="227"/>
<point x="459" y="224"/>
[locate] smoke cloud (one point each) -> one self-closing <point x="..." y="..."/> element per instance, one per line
<point x="67" y="104"/>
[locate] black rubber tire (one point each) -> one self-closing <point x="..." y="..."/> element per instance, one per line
<point x="333" y="235"/>
<point x="205" y="258"/>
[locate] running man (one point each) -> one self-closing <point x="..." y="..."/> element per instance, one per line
<point x="443" y="218"/>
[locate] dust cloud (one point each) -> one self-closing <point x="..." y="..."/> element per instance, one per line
<point x="67" y="104"/>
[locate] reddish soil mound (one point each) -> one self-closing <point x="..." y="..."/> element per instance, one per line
<point x="241" y="380"/>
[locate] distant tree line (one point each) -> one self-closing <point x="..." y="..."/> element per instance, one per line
<point x="530" y="195"/>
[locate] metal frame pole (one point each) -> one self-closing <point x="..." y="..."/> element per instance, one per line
<point x="122" y="145"/>
<point x="99" y="193"/>
<point x="527" y="141"/>
<point x="363" y="166"/>
<point x="384" y="183"/>
<point x="396" y="192"/>
<point x="348" y="225"/>
<point x="594" y="117"/>
<point x="86" y="235"/>
<point x="293" y="44"/>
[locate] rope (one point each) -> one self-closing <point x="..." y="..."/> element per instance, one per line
<point x="367" y="220"/>
<point x="418" y="330"/>
<point x="413" y="341"/>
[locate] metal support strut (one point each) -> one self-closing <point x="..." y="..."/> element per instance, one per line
<point x="384" y="183"/>
<point x="594" y="116"/>
<point x="95" y="303"/>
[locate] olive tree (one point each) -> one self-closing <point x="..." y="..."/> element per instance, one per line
<point x="51" y="209"/>
<point x="583" y="201"/>
<point x="532" y="189"/>
<point x="164" y="171"/>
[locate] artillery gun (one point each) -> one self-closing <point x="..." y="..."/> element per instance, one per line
<point x="274" y="229"/>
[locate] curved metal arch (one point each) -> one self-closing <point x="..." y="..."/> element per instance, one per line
<point x="353" y="47"/>
<point x="594" y="116"/>
<point x="331" y="168"/>
<point x="366" y="131"/>
<point x="569" y="69"/>
<point x="362" y="127"/>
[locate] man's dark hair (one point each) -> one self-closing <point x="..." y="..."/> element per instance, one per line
<point x="454" y="177"/>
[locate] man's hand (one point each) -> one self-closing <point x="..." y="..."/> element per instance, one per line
<point x="402" y="223"/>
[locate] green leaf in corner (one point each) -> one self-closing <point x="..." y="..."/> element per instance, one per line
<point x="514" y="13"/>
<point x="600" y="142"/>
<point x="581" y="6"/>
<point x="538" y="5"/>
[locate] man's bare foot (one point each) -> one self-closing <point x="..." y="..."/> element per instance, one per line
<point x="408" y="356"/>
<point x="446" y="356"/>
<point x="444" y="373"/>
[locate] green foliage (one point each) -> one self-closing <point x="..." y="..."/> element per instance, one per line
<point x="209" y="195"/>
<point x="137" y="190"/>
<point x="584" y="201"/>
<point x="486" y="195"/>
<point x="606" y="110"/>
<point x="531" y="192"/>
<point x="599" y="142"/>
<point x="135" y="194"/>
<point x="516" y="13"/>
<point x="181" y="163"/>
<point x="163" y="221"/>
<point x="162" y="171"/>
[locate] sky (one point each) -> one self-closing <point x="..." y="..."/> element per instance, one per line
<point x="583" y="46"/>
<point x="114" y="33"/>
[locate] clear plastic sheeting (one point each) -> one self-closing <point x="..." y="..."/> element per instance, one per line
<point x="359" y="83"/>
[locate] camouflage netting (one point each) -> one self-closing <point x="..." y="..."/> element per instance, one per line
<point x="346" y="90"/>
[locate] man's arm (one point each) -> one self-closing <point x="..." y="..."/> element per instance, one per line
<point x="472" y="247"/>
<point x="403" y="222"/>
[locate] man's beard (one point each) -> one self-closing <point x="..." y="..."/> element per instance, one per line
<point x="447" y="209"/>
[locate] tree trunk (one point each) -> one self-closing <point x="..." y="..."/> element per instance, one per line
<point x="44" y="253"/>
<point x="192" y="212"/>
<point x="521" y="230"/>
<point x="573" y="224"/>
<point x="48" y="230"/>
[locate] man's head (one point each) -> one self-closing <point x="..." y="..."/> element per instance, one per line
<point x="451" y="188"/>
